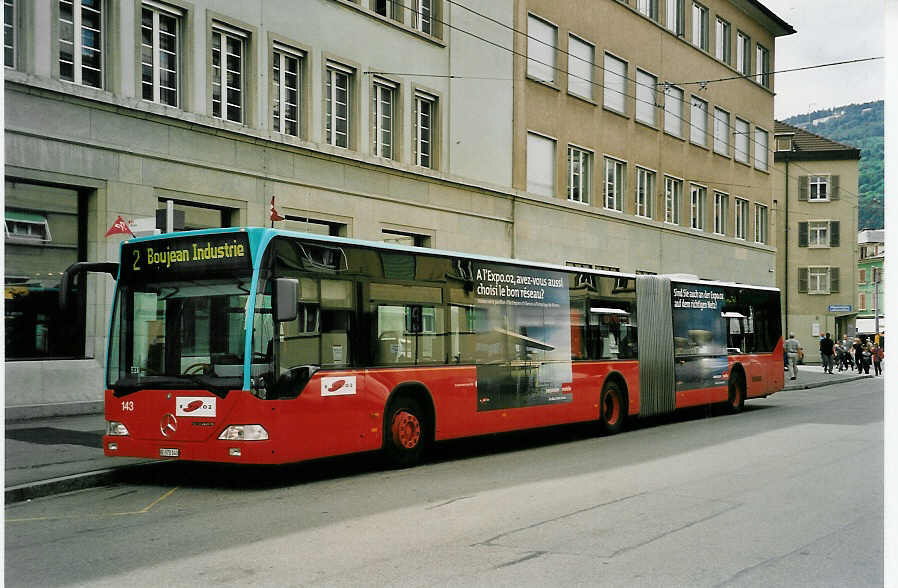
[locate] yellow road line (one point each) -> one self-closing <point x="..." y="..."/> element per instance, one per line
<point x="144" y="510"/>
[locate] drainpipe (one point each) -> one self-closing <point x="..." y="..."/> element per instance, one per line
<point x="786" y="258"/>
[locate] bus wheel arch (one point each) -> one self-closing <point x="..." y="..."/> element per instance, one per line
<point x="613" y="404"/>
<point x="736" y="387"/>
<point x="409" y="424"/>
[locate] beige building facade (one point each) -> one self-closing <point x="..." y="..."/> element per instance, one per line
<point x="419" y="122"/>
<point x="817" y="194"/>
<point x="657" y="158"/>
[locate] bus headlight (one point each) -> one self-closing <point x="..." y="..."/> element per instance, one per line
<point x="244" y="433"/>
<point x="116" y="429"/>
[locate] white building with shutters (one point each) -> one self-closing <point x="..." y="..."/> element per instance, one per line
<point x="816" y="194"/>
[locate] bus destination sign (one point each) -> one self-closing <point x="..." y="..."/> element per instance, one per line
<point x="179" y="257"/>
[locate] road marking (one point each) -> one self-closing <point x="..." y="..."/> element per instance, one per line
<point x="144" y="510"/>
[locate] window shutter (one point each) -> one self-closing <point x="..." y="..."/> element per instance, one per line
<point x="802" y="188"/>
<point x="833" y="233"/>
<point x="834" y="188"/>
<point x="834" y="280"/>
<point x="803" y="234"/>
<point x="803" y="280"/>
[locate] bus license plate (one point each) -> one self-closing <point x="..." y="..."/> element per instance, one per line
<point x="165" y="452"/>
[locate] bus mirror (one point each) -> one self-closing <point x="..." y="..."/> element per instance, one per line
<point x="79" y="269"/>
<point x="285" y="290"/>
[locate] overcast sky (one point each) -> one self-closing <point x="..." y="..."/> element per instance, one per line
<point x="828" y="31"/>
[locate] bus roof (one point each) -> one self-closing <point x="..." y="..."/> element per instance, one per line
<point x="262" y="235"/>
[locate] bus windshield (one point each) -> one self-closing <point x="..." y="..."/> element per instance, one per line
<point x="187" y="334"/>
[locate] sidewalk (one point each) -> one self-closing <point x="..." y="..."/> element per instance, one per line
<point x="812" y="376"/>
<point x="61" y="454"/>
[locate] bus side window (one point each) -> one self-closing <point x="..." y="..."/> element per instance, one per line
<point x="409" y="334"/>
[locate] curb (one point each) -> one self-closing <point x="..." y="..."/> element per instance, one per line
<point x="824" y="383"/>
<point x="63" y="484"/>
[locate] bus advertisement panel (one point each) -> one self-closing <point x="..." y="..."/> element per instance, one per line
<point x="700" y="337"/>
<point x="524" y="336"/>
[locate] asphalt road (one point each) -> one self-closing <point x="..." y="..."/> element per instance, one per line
<point x="789" y="493"/>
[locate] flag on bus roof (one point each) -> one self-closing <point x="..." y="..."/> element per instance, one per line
<point x="274" y="213"/>
<point x="119" y="226"/>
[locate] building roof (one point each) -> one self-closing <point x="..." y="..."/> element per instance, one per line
<point x="807" y="145"/>
<point x="778" y="26"/>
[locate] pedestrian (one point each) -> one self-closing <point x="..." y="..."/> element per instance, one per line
<point x="867" y="355"/>
<point x="792" y="348"/>
<point x="846" y="353"/>
<point x="858" y="348"/>
<point x="826" y="353"/>
<point x="877" y="359"/>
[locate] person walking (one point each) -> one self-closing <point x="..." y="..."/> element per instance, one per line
<point x="858" y="348"/>
<point x="877" y="359"/>
<point x="846" y="353"/>
<point x="826" y="353"/>
<point x="791" y="348"/>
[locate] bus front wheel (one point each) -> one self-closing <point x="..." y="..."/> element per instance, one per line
<point x="405" y="433"/>
<point x="612" y="407"/>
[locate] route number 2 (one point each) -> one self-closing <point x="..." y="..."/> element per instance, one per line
<point x="128" y="405"/>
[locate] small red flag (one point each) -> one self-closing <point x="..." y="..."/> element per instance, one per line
<point x="119" y="226"/>
<point x="274" y="213"/>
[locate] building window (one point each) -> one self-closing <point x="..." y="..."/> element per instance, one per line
<point x="673" y="199"/>
<point x="673" y="111"/>
<point x="699" y="26"/>
<point x="579" y="171"/>
<point x="580" y="67"/>
<point x="645" y="97"/>
<point x="406" y="238"/>
<point x="81" y="42"/>
<point x="760" y="223"/>
<point x="388" y="8"/>
<point x="675" y="16"/>
<point x="422" y="16"/>
<point x="721" y="208"/>
<point x="542" y="39"/>
<point x="159" y="53"/>
<point x="721" y="131"/>
<point x="760" y="149"/>
<point x="317" y="226"/>
<point x="762" y="62"/>
<point x="40" y="245"/>
<point x="614" y="184"/>
<point x="227" y="74"/>
<point x="337" y="102"/>
<point x="862" y="276"/>
<point x="818" y="188"/>
<point x="9" y="33"/>
<point x="615" y="83"/>
<point x="698" y="194"/>
<point x="425" y="115"/>
<point x="741" y="219"/>
<point x="742" y="141"/>
<point x="648" y="8"/>
<point x="722" y="41"/>
<point x="861" y="301"/>
<point x="383" y="99"/>
<point x="540" y="165"/>
<point x="818" y="234"/>
<point x="818" y="280"/>
<point x="286" y="76"/>
<point x="645" y="192"/>
<point x="699" y="122"/>
<point x="743" y="53"/>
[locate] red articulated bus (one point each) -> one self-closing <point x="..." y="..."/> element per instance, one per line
<point x="267" y="346"/>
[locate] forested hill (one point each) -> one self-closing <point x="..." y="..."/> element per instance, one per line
<point x="861" y="126"/>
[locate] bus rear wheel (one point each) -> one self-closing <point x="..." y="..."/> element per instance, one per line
<point x="736" y="400"/>
<point x="611" y="405"/>
<point x="405" y="433"/>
